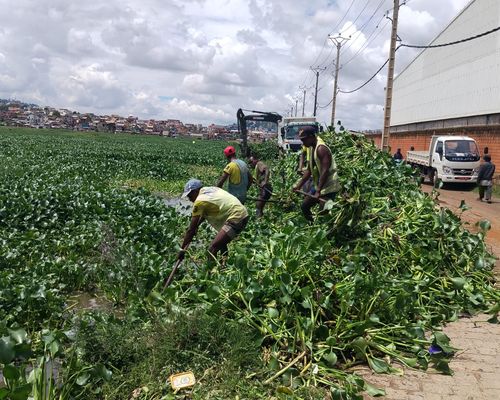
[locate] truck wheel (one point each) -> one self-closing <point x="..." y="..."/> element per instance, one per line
<point x="436" y="180"/>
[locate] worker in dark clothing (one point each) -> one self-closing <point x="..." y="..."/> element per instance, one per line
<point x="398" y="157"/>
<point x="485" y="179"/>
<point x="261" y="179"/>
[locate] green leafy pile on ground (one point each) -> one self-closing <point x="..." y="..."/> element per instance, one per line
<point x="362" y="285"/>
<point x="294" y="307"/>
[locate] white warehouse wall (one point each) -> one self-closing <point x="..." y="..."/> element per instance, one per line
<point x="455" y="81"/>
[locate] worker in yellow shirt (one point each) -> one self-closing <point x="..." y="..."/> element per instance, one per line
<point x="221" y="210"/>
<point x="321" y="167"/>
<point x="238" y="174"/>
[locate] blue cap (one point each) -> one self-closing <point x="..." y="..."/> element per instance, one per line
<point x="191" y="184"/>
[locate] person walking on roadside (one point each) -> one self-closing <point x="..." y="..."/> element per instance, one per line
<point x="238" y="173"/>
<point x="261" y="178"/>
<point x="321" y="167"/>
<point x="221" y="210"/>
<point x="485" y="179"/>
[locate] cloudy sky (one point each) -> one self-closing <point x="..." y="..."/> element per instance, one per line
<point x="200" y="60"/>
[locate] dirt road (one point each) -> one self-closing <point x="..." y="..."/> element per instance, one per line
<point x="477" y="364"/>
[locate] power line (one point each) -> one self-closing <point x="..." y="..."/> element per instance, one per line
<point x="433" y="46"/>
<point x="368" y="41"/>
<point x="359" y="15"/>
<point x="367" y="82"/>
<point x="423" y="47"/>
<point x="329" y="55"/>
<point x="345" y="15"/>
<point x="366" y="23"/>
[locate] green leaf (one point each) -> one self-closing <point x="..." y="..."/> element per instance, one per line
<point x="359" y="345"/>
<point x="4" y="392"/>
<point x="284" y="390"/>
<point x="485" y="225"/>
<point x="374" y="391"/>
<point x="273" y="312"/>
<point x="102" y="372"/>
<point x="378" y="365"/>
<point x="276" y="263"/>
<point x="331" y="358"/>
<point x="458" y="282"/>
<point x="442" y="365"/>
<point x="19" y="335"/>
<point x="21" y="392"/>
<point x="82" y="379"/>
<point x="463" y="206"/>
<point x="7" y="353"/>
<point x="213" y="292"/>
<point x="443" y="341"/>
<point x="10" y="372"/>
<point x="286" y="279"/>
<point x="416" y="332"/>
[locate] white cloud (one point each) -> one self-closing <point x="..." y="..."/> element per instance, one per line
<point x="200" y="60"/>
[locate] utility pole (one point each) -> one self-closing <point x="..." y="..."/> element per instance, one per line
<point x="316" y="70"/>
<point x="303" y="99"/>
<point x="296" y="105"/>
<point x="338" y="41"/>
<point x="291" y="111"/>
<point x="390" y="78"/>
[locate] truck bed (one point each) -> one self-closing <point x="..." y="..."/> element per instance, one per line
<point x="418" y="157"/>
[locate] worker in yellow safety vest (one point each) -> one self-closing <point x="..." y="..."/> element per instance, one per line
<point x="321" y="167"/>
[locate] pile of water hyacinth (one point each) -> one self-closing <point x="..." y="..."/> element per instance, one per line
<point x="289" y="314"/>
<point x="371" y="281"/>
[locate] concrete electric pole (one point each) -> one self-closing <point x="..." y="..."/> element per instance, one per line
<point x="390" y="79"/>
<point x="296" y="105"/>
<point x="316" y="70"/>
<point x="338" y="41"/>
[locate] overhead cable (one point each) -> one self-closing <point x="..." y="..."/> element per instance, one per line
<point x="433" y="46"/>
<point x="367" y="82"/>
<point x="422" y="47"/>
<point x="360" y="30"/>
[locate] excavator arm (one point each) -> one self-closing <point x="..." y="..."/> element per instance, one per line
<point x="255" y="116"/>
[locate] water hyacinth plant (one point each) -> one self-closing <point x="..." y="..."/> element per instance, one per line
<point x="293" y="309"/>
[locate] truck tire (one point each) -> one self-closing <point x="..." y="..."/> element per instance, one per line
<point x="436" y="180"/>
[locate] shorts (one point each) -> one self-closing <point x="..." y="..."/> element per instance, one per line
<point x="266" y="192"/>
<point x="233" y="228"/>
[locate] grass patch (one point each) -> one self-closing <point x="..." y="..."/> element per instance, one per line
<point x="221" y="353"/>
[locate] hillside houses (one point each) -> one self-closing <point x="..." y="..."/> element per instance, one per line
<point x="15" y="113"/>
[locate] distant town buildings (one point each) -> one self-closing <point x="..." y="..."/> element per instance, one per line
<point x="16" y="113"/>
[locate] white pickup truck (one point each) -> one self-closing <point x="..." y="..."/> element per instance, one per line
<point x="449" y="158"/>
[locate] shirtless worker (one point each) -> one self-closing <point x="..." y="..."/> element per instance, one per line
<point x="321" y="167"/>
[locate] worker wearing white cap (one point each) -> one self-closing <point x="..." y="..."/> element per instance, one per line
<point x="221" y="209"/>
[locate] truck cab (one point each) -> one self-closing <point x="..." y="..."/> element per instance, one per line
<point x="288" y="132"/>
<point x="450" y="159"/>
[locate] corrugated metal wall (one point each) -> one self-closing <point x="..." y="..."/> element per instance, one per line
<point x="455" y="81"/>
